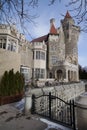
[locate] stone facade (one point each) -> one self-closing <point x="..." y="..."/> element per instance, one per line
<point x="39" y="60"/>
<point x="62" y="50"/>
<point x="53" y="56"/>
<point x="15" y="51"/>
<point x="9" y="60"/>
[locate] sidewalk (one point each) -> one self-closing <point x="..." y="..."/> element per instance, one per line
<point x="12" y="119"/>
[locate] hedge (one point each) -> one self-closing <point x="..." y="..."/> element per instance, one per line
<point x="11" y="83"/>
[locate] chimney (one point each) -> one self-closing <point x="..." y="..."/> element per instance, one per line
<point x="52" y="22"/>
<point x="52" y="26"/>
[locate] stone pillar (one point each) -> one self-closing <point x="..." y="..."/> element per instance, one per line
<point x="81" y="104"/>
<point x="67" y="75"/>
<point x="74" y="76"/>
<point x="28" y="103"/>
<point x="70" y="75"/>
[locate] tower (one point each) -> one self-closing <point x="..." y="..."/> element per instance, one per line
<point x="71" y="33"/>
<point x="55" y="51"/>
<point x="62" y="50"/>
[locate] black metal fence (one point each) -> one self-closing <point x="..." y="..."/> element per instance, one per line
<point x="55" y="109"/>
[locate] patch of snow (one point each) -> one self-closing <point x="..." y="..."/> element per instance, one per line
<point x="54" y="125"/>
<point x="20" y="105"/>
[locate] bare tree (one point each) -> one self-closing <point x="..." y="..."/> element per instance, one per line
<point x="18" y="11"/>
<point x="80" y="9"/>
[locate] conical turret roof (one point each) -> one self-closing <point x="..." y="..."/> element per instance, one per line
<point x="68" y="15"/>
<point x="53" y="29"/>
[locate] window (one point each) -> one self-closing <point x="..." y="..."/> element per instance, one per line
<point x="3" y="43"/>
<point x="42" y="73"/>
<point x="53" y="48"/>
<point x="25" y="71"/>
<point x="40" y="55"/>
<point x="53" y="59"/>
<point x="9" y="47"/>
<point x="12" y="46"/>
<point x="37" y="54"/>
<point x="67" y="26"/>
<point x="39" y="73"/>
<point x="0" y="45"/>
<point x="33" y="54"/>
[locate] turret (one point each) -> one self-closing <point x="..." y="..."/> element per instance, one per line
<point x="53" y="30"/>
<point x="71" y="33"/>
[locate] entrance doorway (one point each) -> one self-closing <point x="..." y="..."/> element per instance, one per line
<point x="59" y="75"/>
<point x="50" y="75"/>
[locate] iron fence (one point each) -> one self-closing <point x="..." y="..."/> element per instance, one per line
<point x="55" y="109"/>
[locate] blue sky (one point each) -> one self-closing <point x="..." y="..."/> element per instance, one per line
<point x="42" y="26"/>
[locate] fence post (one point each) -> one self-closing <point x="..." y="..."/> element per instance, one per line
<point x="70" y="113"/>
<point x="27" y="104"/>
<point x="73" y="107"/>
<point x="50" y="105"/>
<point x="33" y="104"/>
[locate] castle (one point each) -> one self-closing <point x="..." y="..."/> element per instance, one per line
<point x="52" y="56"/>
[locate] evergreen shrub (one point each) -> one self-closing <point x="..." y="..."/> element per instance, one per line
<point x="11" y="83"/>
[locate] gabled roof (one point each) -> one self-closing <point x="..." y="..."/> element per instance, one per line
<point x="53" y="29"/>
<point x="68" y="15"/>
<point x="40" y="39"/>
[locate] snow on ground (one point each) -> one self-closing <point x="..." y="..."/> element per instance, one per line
<point x="54" y="125"/>
<point x="20" y="105"/>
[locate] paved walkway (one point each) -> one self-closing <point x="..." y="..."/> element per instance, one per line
<point x="12" y="119"/>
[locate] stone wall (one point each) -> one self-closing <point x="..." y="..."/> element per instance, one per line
<point x="65" y="92"/>
<point x="9" y="60"/>
<point x="26" y="55"/>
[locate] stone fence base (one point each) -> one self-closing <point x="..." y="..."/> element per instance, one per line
<point x="65" y="92"/>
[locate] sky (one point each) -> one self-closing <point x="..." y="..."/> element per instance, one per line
<point x="42" y="24"/>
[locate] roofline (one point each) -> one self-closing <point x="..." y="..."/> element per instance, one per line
<point x="43" y="36"/>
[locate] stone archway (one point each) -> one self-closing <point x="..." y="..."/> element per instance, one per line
<point x="59" y="75"/>
<point x="50" y="75"/>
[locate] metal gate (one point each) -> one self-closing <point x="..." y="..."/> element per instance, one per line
<point x="55" y="109"/>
